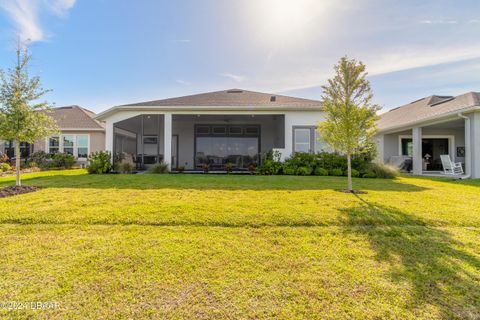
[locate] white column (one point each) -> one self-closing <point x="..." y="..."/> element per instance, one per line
<point x="288" y="137"/>
<point x="167" y="139"/>
<point x="417" y="150"/>
<point x="475" y="143"/>
<point x="468" y="147"/>
<point x="109" y="136"/>
<point x="380" y="149"/>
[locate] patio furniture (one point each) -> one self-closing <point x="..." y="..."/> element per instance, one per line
<point x="450" y="167"/>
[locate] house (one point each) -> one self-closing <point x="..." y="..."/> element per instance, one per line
<point x="232" y="126"/>
<point x="80" y="134"/>
<point x="432" y="126"/>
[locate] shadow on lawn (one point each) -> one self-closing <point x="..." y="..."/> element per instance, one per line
<point x="212" y="182"/>
<point x="430" y="260"/>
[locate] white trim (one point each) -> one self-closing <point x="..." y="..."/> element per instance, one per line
<point x="82" y="129"/>
<point x="451" y="141"/>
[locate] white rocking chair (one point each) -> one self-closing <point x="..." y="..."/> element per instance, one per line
<point x="450" y="167"/>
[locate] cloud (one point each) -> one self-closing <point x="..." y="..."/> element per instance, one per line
<point x="185" y="83"/>
<point x="182" y="40"/>
<point x="234" y="77"/>
<point x="438" y="21"/>
<point x="25" y="15"/>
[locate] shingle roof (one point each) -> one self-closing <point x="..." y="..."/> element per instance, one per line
<point x="75" y="117"/>
<point x="232" y="97"/>
<point x="426" y="108"/>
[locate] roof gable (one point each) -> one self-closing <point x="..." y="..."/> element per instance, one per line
<point x="75" y="117"/>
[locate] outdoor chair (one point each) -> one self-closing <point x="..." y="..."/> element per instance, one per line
<point x="450" y="167"/>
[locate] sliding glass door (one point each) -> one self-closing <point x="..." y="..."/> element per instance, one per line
<point x="216" y="146"/>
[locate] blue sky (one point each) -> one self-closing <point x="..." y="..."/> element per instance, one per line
<point x="100" y="53"/>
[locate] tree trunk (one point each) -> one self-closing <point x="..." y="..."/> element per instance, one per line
<point x="17" y="163"/>
<point x="349" y="163"/>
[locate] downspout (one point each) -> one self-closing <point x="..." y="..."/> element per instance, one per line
<point x="468" y="147"/>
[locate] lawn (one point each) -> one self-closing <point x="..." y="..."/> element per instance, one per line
<point x="241" y="247"/>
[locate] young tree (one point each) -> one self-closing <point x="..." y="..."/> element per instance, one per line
<point x="350" y="115"/>
<point x="22" y="117"/>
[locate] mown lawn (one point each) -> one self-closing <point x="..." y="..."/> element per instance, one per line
<point x="241" y="247"/>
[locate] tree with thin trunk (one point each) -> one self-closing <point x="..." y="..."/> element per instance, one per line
<point x="23" y="118"/>
<point x="349" y="126"/>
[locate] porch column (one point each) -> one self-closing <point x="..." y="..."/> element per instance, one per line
<point x="167" y="139"/>
<point x="417" y="150"/>
<point x="475" y="143"/>
<point x="468" y="147"/>
<point x="380" y="149"/>
<point x="109" y="136"/>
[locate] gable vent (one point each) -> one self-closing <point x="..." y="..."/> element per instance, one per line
<point x="234" y="91"/>
<point x="273" y="98"/>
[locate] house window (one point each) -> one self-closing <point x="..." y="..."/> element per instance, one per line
<point x="68" y="142"/>
<point x="76" y="145"/>
<point x="303" y="139"/>
<point x="82" y="146"/>
<point x="54" y="145"/>
<point x="407" y="147"/>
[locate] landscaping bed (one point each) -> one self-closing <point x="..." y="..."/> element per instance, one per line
<point x="13" y="191"/>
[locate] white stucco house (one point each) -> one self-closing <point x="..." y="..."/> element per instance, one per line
<point x="232" y="126"/>
<point x="427" y="128"/>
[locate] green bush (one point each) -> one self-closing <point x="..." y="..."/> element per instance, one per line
<point x="99" y="162"/>
<point x="385" y="171"/>
<point x="5" y="167"/>
<point x="304" y="171"/>
<point x="355" y="173"/>
<point x="62" y="160"/>
<point x="370" y="174"/>
<point x="289" y="171"/>
<point x="41" y="158"/>
<point x="321" y="171"/>
<point x="269" y="167"/>
<point x="125" y="167"/>
<point x="159" y="168"/>
<point x="337" y="172"/>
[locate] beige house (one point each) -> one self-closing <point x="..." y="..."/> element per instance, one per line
<point x="80" y="134"/>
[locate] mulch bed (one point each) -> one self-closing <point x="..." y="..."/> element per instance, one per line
<point x="13" y="191"/>
<point x="352" y="191"/>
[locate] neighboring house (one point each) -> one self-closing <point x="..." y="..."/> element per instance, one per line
<point x="80" y="134"/>
<point x="427" y="128"/>
<point x="233" y="126"/>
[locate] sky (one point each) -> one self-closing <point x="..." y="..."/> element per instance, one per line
<point x="102" y="53"/>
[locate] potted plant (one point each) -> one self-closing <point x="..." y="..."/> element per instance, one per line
<point x="252" y="168"/>
<point x="228" y="167"/>
<point x="180" y="169"/>
<point x="205" y="167"/>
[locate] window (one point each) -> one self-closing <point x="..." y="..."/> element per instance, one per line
<point x="407" y="147"/>
<point x="68" y="142"/>
<point x="76" y="145"/>
<point x="82" y="146"/>
<point x="54" y="145"/>
<point x="302" y="139"/>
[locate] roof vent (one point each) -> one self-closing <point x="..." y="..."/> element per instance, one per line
<point x="273" y="98"/>
<point x="234" y="91"/>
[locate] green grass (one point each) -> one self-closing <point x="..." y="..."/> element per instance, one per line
<point x="241" y="247"/>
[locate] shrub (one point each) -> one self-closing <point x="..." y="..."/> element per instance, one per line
<point x="304" y="171"/>
<point x="337" y="172"/>
<point x="3" y="158"/>
<point x="125" y="167"/>
<point x="99" y="162"/>
<point x="370" y="175"/>
<point x="385" y="171"/>
<point x="41" y="158"/>
<point x="269" y="167"/>
<point x="355" y="173"/>
<point x="5" y="167"/>
<point x="62" y="160"/>
<point x="159" y="168"/>
<point x="289" y="171"/>
<point x="321" y="171"/>
<point x="228" y="167"/>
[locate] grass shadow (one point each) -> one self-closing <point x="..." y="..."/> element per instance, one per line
<point x="440" y="270"/>
<point x="207" y="182"/>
